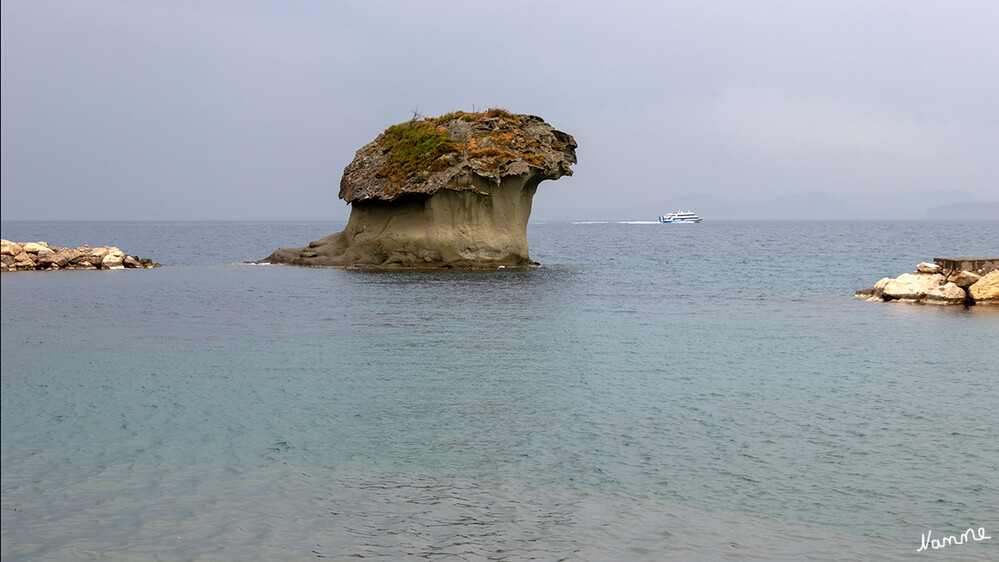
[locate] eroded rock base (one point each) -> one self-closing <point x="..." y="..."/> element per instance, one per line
<point x="481" y="229"/>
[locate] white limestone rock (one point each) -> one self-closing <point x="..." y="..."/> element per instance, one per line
<point x="8" y="248"/>
<point x="930" y="268"/>
<point x="964" y="279"/>
<point x="986" y="289"/>
<point x="910" y="286"/>
<point x="35" y="247"/>
<point x="948" y="293"/>
<point x="114" y="259"/>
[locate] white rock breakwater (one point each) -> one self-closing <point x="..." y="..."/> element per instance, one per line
<point x="33" y="256"/>
<point x="932" y="284"/>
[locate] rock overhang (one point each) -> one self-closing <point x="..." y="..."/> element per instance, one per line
<point x="458" y="151"/>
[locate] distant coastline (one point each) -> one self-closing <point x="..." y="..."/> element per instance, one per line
<point x="936" y="205"/>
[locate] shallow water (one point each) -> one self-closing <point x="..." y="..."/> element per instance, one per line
<point x="704" y="391"/>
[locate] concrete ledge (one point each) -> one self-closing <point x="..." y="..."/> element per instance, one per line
<point x="980" y="266"/>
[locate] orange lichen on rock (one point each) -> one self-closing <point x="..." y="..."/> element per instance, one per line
<point x="428" y="154"/>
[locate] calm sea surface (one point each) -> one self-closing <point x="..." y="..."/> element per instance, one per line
<point x="653" y="392"/>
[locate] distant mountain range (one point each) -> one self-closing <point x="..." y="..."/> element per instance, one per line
<point x="811" y="206"/>
<point x="969" y="210"/>
<point x="944" y="205"/>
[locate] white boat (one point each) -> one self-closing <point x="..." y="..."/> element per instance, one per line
<point x="679" y="216"/>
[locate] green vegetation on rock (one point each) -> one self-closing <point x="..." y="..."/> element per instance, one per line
<point x="413" y="149"/>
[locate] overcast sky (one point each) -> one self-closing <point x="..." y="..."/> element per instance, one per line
<point x="251" y="109"/>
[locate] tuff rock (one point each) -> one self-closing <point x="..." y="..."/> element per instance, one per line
<point x="448" y="192"/>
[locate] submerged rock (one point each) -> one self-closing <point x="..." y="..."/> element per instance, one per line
<point x="452" y="191"/>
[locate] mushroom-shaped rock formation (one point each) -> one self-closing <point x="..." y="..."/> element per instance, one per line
<point x="448" y="192"/>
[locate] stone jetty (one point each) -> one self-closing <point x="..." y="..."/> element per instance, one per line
<point x="34" y="256"/>
<point x="963" y="281"/>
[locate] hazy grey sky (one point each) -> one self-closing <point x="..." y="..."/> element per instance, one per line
<point x="251" y="109"/>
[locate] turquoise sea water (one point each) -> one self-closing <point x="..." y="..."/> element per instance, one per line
<point x="707" y="391"/>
